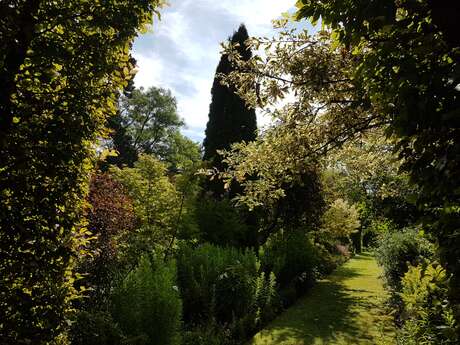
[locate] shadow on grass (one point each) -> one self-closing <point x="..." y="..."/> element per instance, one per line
<point x="329" y="314"/>
<point x="345" y="272"/>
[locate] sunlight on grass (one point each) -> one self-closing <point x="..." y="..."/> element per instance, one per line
<point x="345" y="309"/>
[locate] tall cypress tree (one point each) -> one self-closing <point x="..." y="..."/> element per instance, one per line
<point x="230" y="120"/>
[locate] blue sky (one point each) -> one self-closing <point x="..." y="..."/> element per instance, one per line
<point x="183" y="49"/>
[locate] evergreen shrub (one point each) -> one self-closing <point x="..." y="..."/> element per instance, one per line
<point x="220" y="223"/>
<point x="292" y="257"/>
<point x="397" y="250"/>
<point x="147" y="304"/>
<point x="226" y="286"/>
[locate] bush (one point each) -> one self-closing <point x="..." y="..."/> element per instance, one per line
<point x="110" y="216"/>
<point x="147" y="304"/>
<point x="292" y="257"/>
<point x="156" y="203"/>
<point x="94" y="328"/>
<point x="327" y="262"/>
<point x="220" y="223"/>
<point x="399" y="249"/>
<point x="225" y="285"/>
<point x="340" y="221"/>
<point x="428" y="318"/>
<point x="375" y="229"/>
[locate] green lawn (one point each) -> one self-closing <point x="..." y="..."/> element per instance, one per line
<point x="345" y="309"/>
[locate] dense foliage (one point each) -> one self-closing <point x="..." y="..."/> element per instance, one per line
<point x="230" y="119"/>
<point x="220" y="223"/>
<point x="408" y="69"/>
<point x="366" y="172"/>
<point x="225" y="285"/>
<point x="62" y="64"/>
<point x="156" y="203"/>
<point x="389" y="65"/>
<point x="149" y="293"/>
<point x="340" y="221"/>
<point x="95" y="328"/>
<point x="398" y="250"/>
<point x="293" y="259"/>
<point x="110" y="217"/>
<point x="428" y="319"/>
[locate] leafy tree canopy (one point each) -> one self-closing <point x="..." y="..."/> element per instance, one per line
<point x="326" y="111"/>
<point x="156" y="204"/>
<point x="366" y="171"/>
<point x="340" y="220"/>
<point x="149" y="117"/>
<point x="148" y="123"/>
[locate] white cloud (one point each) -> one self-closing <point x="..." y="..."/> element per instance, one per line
<point x="182" y="52"/>
<point x="149" y="70"/>
<point x="257" y="14"/>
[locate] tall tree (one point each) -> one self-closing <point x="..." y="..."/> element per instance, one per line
<point x="230" y="119"/>
<point x="62" y="64"/>
<point x="148" y="123"/>
<point x="150" y="117"/>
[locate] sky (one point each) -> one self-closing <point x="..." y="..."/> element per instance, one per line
<point x="182" y="51"/>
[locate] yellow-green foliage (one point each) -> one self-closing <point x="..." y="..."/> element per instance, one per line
<point x="156" y="205"/>
<point x="364" y="71"/>
<point x="401" y="87"/>
<point x="62" y="64"/>
<point x="428" y="318"/>
<point x="340" y="220"/>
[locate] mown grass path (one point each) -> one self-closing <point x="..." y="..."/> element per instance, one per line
<point x="345" y="309"/>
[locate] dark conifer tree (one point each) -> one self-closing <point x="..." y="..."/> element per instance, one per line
<point x="122" y="142"/>
<point x="230" y="120"/>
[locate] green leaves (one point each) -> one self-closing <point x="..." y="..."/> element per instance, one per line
<point x="426" y="313"/>
<point x="59" y="84"/>
<point x="150" y="119"/>
<point x="340" y="220"/>
<point x="407" y="53"/>
<point x="156" y="206"/>
<point x="147" y="304"/>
